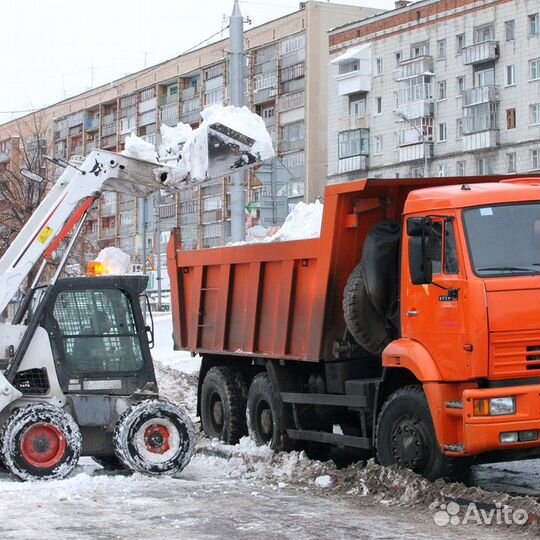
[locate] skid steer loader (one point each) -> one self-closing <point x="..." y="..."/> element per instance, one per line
<point x="76" y="373"/>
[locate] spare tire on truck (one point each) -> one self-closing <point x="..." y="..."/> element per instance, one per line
<point x="370" y="300"/>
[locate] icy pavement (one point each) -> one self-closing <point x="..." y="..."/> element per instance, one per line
<point x="249" y="492"/>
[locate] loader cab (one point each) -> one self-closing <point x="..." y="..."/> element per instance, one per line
<point x="98" y="335"/>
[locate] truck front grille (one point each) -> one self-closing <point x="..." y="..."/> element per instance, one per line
<point x="514" y="354"/>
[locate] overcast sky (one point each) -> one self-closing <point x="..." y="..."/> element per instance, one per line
<point x="53" y="49"/>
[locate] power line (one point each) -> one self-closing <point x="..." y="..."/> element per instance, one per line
<point x="205" y="40"/>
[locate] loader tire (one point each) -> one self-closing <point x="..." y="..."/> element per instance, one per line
<point x="223" y="404"/>
<point x="264" y="418"/>
<point x="406" y="437"/>
<point x="363" y="321"/>
<point x="154" y="437"/>
<point x="40" y="442"/>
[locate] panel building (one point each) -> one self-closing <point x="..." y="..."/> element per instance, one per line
<point x="287" y="61"/>
<point x="436" y="87"/>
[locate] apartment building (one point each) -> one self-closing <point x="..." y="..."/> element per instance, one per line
<point x="436" y="87"/>
<point x="287" y="61"/>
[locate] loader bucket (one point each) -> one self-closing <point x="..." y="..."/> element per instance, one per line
<point x="127" y="175"/>
<point x="228" y="151"/>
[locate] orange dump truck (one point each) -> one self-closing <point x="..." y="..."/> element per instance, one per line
<point x="410" y="328"/>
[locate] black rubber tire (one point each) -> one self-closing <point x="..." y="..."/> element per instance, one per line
<point x="264" y="418"/>
<point x="135" y="448"/>
<point x="405" y="422"/>
<point x="223" y="404"/>
<point x="363" y="321"/>
<point x="48" y="428"/>
<point x="109" y="463"/>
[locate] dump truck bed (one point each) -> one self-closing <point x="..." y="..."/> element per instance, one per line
<point x="282" y="299"/>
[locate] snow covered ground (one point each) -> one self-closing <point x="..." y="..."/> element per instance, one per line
<point x="247" y="492"/>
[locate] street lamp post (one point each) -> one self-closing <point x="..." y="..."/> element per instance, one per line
<point x="422" y="134"/>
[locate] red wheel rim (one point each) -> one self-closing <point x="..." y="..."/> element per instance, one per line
<point x="43" y="445"/>
<point x="156" y="439"/>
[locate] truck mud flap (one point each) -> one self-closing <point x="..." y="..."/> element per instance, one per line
<point x="330" y="438"/>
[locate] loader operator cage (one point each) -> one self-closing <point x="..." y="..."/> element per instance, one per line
<point x="98" y="331"/>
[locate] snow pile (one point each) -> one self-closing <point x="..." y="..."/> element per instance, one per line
<point x="303" y="222"/>
<point x="187" y="150"/>
<point x="114" y="261"/>
<point x="140" y="149"/>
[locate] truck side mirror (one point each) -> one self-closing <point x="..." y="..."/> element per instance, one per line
<point x="420" y="264"/>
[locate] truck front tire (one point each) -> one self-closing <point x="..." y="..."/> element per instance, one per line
<point x="223" y="404"/>
<point x="406" y="436"/>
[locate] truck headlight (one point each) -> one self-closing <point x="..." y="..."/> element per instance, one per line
<point x="495" y="406"/>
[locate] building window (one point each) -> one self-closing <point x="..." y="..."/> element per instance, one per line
<point x="485" y="165"/>
<point x="510" y="30"/>
<point x="461" y="168"/>
<point x="459" y="128"/>
<point x="535" y="159"/>
<point x="378" y="144"/>
<point x="378" y="66"/>
<point x="378" y="105"/>
<point x="420" y="49"/>
<point x="357" y="107"/>
<point x="397" y="56"/>
<point x="441" y="48"/>
<point x="534" y="69"/>
<point x="353" y="143"/>
<point x="510" y="118"/>
<point x="484" y="33"/>
<point x="461" y="85"/>
<point x="442" y="132"/>
<point x="442" y="90"/>
<point x="535" y="113"/>
<point x="534" y="24"/>
<point x="510" y="75"/>
<point x="460" y="43"/>
<point x="511" y="162"/>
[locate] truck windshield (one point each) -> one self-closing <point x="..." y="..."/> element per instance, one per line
<point x="504" y="239"/>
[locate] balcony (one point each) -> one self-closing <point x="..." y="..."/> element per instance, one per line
<point x="485" y="51"/>
<point x="92" y="123"/>
<point x="108" y="209"/>
<point x="417" y="109"/>
<point x="106" y="233"/>
<point x="481" y="140"/>
<point x="347" y="123"/>
<point x="188" y="93"/>
<point x="60" y="134"/>
<point x="423" y="65"/>
<point x="354" y="70"/>
<point x="291" y="145"/>
<point x="483" y="120"/>
<point x="416" y="152"/>
<point x="350" y="164"/>
<point x="191" y="117"/>
<point x="108" y="129"/>
<point x="75" y="119"/>
<point x="482" y="94"/>
<point x="167" y="99"/>
<point x="4" y="157"/>
<point x="169" y="114"/>
<point x="108" y="142"/>
<point x="148" y="105"/>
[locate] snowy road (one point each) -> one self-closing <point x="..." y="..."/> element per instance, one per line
<point x="264" y="497"/>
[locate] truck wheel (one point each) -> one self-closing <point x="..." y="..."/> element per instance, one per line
<point x="406" y="436"/>
<point x="223" y="404"/>
<point x="264" y="419"/>
<point x="154" y="437"/>
<point x="40" y="442"/>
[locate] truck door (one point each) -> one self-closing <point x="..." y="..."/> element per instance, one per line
<point x="433" y="313"/>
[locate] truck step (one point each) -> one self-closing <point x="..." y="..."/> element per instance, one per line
<point x="335" y="400"/>
<point x="330" y="438"/>
<point x="457" y="448"/>
<point x="454" y="404"/>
